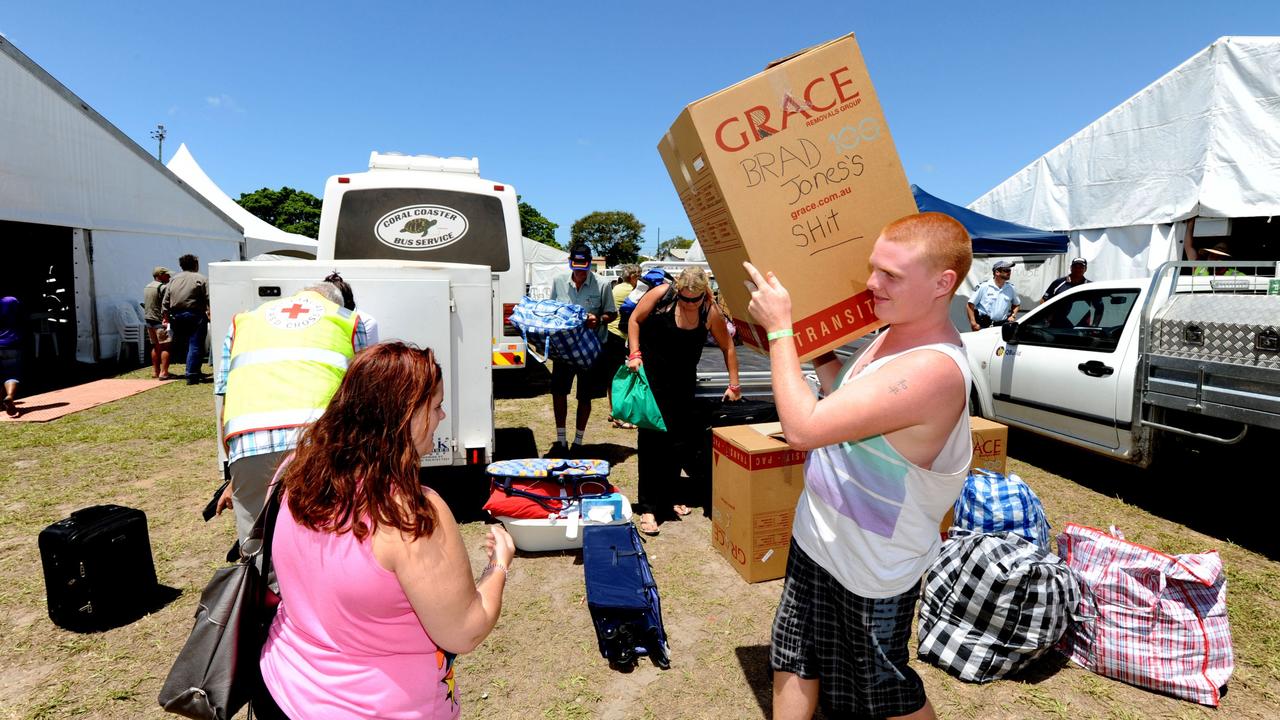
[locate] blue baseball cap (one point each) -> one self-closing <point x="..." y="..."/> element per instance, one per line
<point x="580" y="258"/>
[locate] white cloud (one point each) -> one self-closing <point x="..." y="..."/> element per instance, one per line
<point x="173" y="110"/>
<point x="929" y="167"/>
<point x="223" y="102"/>
<point x="584" y="141"/>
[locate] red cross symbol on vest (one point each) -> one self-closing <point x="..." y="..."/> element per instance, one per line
<point x="295" y="311"/>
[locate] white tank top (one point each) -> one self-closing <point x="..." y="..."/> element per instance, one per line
<point x="868" y="515"/>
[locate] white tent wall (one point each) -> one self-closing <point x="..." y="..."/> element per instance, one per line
<point x="133" y="258"/>
<point x="541" y="265"/>
<point x="1204" y="140"/>
<point x="1126" y="252"/>
<point x="61" y="163"/>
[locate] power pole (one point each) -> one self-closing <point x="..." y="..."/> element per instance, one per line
<point x="158" y="134"/>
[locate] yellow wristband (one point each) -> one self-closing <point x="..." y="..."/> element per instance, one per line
<point x="781" y="334"/>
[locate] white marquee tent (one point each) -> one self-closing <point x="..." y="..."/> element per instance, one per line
<point x="86" y="213"/>
<point x="1202" y="141"/>
<point x="259" y="236"/>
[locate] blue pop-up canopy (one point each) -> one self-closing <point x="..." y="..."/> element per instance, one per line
<point x="992" y="236"/>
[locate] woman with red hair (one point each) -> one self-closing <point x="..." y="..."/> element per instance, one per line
<point x="377" y="594"/>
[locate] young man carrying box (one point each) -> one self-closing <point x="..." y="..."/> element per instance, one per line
<point x="890" y="449"/>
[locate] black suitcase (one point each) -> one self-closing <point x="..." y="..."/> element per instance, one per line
<point x="622" y="596"/>
<point x="742" y="412"/>
<point x="714" y="413"/>
<point x="98" y="571"/>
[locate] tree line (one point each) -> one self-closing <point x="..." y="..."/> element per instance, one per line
<point x="613" y="234"/>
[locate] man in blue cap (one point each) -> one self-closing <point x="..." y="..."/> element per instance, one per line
<point x="580" y="287"/>
<point x="994" y="302"/>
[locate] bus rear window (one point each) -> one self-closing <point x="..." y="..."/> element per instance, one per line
<point x="422" y="224"/>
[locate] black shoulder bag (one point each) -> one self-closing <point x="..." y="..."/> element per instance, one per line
<point x="216" y="672"/>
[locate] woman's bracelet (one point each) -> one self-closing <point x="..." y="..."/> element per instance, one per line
<point x="634" y="355"/>
<point x="488" y="569"/>
<point x="781" y="334"/>
<point x="735" y="388"/>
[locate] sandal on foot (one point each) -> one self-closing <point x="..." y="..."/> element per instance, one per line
<point x="648" y="527"/>
<point x="165" y="376"/>
<point x="9" y="408"/>
<point x="622" y="424"/>
<point x="682" y="510"/>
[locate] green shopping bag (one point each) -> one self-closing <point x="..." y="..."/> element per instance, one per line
<point x="633" y="401"/>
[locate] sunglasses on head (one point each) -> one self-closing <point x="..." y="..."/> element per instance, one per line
<point x="694" y="299"/>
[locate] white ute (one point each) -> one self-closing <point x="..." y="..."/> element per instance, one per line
<point x="1114" y="366"/>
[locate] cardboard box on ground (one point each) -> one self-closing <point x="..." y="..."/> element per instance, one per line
<point x="756" y="482"/>
<point x="793" y="169"/>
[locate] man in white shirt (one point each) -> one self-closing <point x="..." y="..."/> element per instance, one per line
<point x="889" y="452"/>
<point x="994" y="302"/>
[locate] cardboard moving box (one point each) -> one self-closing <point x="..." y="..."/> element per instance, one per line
<point x="756" y="481"/>
<point x="990" y="445"/>
<point x="795" y="170"/>
<point x="990" y="452"/>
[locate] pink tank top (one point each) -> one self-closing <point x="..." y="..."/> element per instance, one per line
<point x="346" y="642"/>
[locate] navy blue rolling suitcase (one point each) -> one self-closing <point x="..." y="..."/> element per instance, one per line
<point x="622" y="596"/>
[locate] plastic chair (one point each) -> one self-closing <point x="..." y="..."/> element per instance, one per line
<point x="131" y="331"/>
<point x="43" y="328"/>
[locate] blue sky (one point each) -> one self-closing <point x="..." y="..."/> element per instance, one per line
<point x="567" y="100"/>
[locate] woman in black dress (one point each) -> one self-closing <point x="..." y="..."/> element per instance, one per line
<point x="666" y="334"/>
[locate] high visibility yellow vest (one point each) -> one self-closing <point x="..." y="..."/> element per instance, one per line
<point x="287" y="359"/>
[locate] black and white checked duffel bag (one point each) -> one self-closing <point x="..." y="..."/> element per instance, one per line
<point x="992" y="603"/>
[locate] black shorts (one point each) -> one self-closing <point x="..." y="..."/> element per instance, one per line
<point x="855" y="647"/>
<point x="590" y="385"/>
<point x="613" y="356"/>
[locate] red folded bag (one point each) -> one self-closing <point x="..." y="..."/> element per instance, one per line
<point x="548" y="501"/>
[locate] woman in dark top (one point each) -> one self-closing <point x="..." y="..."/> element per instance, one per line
<point x="666" y="335"/>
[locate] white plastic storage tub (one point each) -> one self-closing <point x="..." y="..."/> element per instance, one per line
<point x="556" y="533"/>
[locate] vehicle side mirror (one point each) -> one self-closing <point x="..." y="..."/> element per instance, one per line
<point x="1008" y="331"/>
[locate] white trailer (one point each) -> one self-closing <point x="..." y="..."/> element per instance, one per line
<point x="444" y="306"/>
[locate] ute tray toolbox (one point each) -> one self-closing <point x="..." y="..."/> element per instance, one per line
<point x="1217" y="355"/>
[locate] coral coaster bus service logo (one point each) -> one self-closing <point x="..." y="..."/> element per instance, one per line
<point x="421" y="227"/>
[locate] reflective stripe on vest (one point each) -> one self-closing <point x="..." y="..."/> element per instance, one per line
<point x="287" y="359"/>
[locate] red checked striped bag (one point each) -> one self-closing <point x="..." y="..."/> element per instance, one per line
<point x="1153" y="620"/>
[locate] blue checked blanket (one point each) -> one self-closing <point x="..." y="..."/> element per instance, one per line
<point x="547" y="467"/>
<point x="992" y="503"/>
<point x="556" y="330"/>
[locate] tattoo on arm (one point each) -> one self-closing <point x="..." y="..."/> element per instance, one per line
<point x="898" y="387"/>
